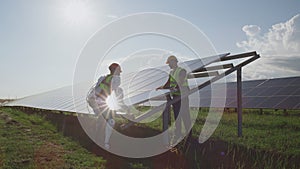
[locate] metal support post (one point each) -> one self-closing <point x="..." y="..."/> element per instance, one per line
<point x="239" y="100"/>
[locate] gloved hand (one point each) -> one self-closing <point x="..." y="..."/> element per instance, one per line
<point x="173" y="89"/>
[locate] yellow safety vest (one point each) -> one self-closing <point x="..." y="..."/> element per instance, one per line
<point x="105" y="85"/>
<point x="174" y="78"/>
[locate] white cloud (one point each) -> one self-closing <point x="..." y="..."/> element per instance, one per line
<point x="279" y="49"/>
<point x="282" y="39"/>
<point x="251" y="30"/>
<point x="272" y="67"/>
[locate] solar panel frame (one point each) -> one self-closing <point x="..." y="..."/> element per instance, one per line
<point x="278" y="82"/>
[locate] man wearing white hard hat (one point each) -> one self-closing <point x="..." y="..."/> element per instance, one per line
<point x="178" y="85"/>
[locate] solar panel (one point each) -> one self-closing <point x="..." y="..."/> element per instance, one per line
<point x="253" y="92"/>
<point x="252" y="84"/>
<point x="269" y="91"/>
<point x="297" y="92"/>
<point x="205" y="94"/>
<point x="258" y="94"/>
<point x="204" y="102"/>
<point x="296" y="82"/>
<point x="271" y="102"/>
<point x="231" y="91"/>
<point x="278" y="82"/>
<point x="288" y="103"/>
<point x="287" y="90"/>
<point x="297" y="106"/>
<point x="152" y="78"/>
<point x="231" y="102"/>
<point x="139" y="87"/>
<point x="251" y="102"/>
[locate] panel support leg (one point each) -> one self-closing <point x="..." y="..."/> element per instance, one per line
<point x="239" y="101"/>
<point x="166" y="121"/>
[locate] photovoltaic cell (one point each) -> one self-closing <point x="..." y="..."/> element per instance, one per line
<point x="231" y="92"/>
<point x="297" y="106"/>
<point x="288" y="103"/>
<point x="296" y="82"/>
<point x="231" y="102"/>
<point x="252" y="102"/>
<point x="271" y="102"/>
<point x="287" y="90"/>
<point x="269" y="91"/>
<point x="255" y="91"/>
<point x="205" y="93"/>
<point x="297" y="92"/>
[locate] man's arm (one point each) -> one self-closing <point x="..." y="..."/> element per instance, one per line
<point x="182" y="76"/>
<point x="165" y="86"/>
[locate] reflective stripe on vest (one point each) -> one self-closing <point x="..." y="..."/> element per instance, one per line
<point x="105" y="85"/>
<point x="174" y="77"/>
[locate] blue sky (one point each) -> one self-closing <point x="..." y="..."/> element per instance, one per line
<point x="41" y="40"/>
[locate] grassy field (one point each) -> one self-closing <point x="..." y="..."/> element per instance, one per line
<point x="271" y="140"/>
<point x="274" y="133"/>
<point x="29" y="141"/>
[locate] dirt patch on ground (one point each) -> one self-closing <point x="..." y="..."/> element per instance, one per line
<point x="49" y="155"/>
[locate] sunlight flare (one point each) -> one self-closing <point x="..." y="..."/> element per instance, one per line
<point x="76" y="12"/>
<point x="112" y="102"/>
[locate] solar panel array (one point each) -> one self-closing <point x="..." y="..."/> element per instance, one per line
<point x="281" y="93"/>
<point x="139" y="88"/>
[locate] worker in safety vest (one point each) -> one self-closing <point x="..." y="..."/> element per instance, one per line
<point x="178" y="84"/>
<point x="98" y="98"/>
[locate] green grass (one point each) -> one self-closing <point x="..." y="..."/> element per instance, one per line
<point x="270" y="140"/>
<point x="265" y="132"/>
<point x="137" y="166"/>
<point x="29" y="141"/>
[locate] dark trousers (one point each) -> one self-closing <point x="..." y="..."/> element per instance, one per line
<point x="182" y="107"/>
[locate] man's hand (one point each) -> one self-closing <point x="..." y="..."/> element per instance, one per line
<point x="173" y="89"/>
